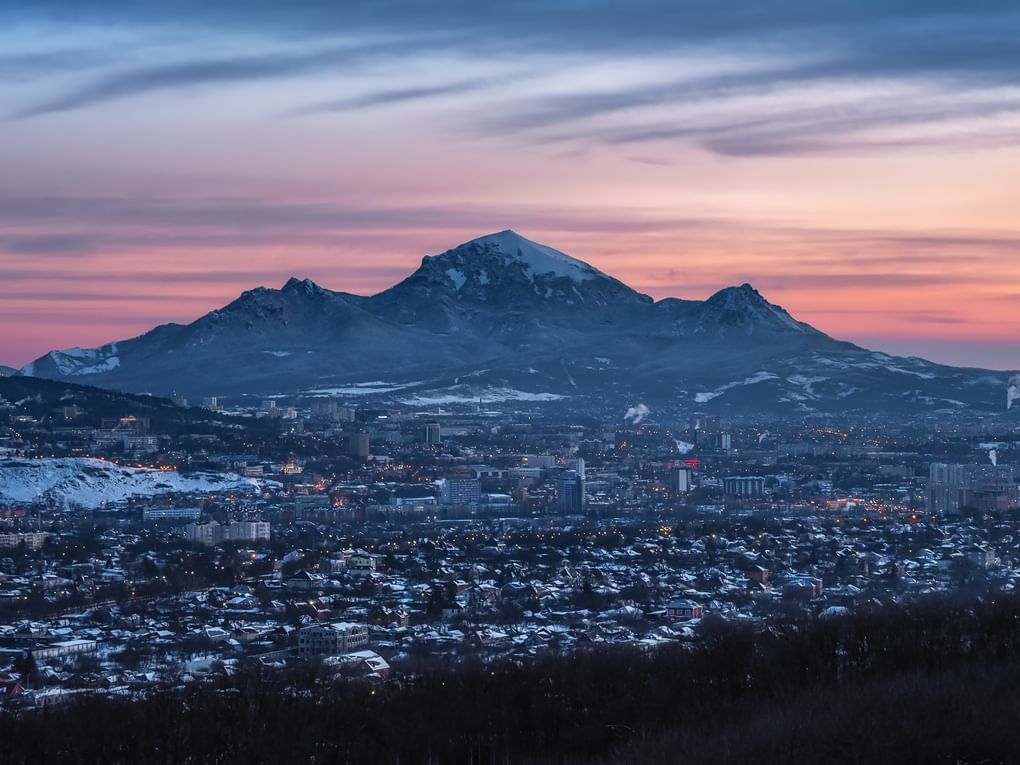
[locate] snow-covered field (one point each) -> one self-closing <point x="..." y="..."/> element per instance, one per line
<point x="463" y="395"/>
<point x="89" y="482"/>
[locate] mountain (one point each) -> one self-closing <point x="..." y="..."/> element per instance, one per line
<point x="7" y="371"/>
<point x="504" y="318"/>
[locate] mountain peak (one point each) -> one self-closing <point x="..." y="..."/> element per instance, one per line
<point x="301" y="285"/>
<point x="744" y="307"/>
<point x="744" y="293"/>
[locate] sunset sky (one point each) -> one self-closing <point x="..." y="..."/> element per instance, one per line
<point x="857" y="162"/>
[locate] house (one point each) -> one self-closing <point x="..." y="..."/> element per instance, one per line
<point x="684" y="609"/>
<point x="303" y="581"/>
<point x="802" y="588"/>
<point x="365" y="663"/>
<point x="10" y="689"/>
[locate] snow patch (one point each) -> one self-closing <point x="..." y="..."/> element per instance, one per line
<point x="635" y="414"/>
<point x="484" y="395"/>
<point x="757" y="377"/>
<point x="361" y="389"/>
<point x="457" y="277"/>
<point x="74" y="362"/>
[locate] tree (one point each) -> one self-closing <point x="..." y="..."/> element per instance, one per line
<point x="25" y="665"/>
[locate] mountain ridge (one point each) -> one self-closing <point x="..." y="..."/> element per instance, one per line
<point x="506" y="318"/>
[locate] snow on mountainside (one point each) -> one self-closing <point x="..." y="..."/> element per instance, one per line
<point x="86" y="482"/>
<point x="536" y="258"/>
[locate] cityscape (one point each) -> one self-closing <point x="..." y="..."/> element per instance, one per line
<point x="373" y="540"/>
<point x="509" y="383"/>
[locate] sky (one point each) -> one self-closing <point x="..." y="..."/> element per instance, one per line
<point x="857" y="162"/>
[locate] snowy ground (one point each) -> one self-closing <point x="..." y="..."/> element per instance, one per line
<point x="93" y="483"/>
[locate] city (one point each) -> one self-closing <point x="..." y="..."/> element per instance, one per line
<point x="371" y="542"/>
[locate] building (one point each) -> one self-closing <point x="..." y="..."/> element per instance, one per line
<point x="246" y="531"/>
<point x="212" y="533"/>
<point x="171" y="514"/>
<point x="460" y="491"/>
<point x="537" y="460"/>
<point x="65" y="648"/>
<point x="332" y="639"/>
<point x="570" y="492"/>
<point x="680" y="480"/>
<point x="33" y="540"/>
<point x="987" y="488"/>
<point x="990" y="488"/>
<point x="802" y="588"/>
<point x="140" y="444"/>
<point x="744" y="486"/>
<point x="684" y="609"/>
<point x="208" y="534"/>
<point x="211" y="402"/>
<point x="432" y="434"/>
<point x="330" y="409"/>
<point x="945" y="488"/>
<point x="411" y="501"/>
<point x="360" y="664"/>
<point x="361" y="564"/>
<point x="358" y="445"/>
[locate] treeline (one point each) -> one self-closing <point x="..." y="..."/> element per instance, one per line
<point x="929" y="682"/>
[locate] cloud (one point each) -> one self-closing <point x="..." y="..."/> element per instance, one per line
<point x="773" y="50"/>
<point x="388" y="97"/>
<point x="34" y="64"/>
<point x="143" y="80"/>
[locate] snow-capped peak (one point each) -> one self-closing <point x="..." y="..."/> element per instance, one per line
<point x="537" y="258"/>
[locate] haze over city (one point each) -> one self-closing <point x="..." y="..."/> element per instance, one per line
<point x="856" y="163"/>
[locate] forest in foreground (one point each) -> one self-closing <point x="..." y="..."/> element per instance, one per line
<point x="930" y="682"/>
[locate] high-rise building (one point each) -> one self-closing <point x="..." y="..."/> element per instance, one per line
<point x="432" y="434"/>
<point x="744" y="486"/>
<point x="570" y="492"/>
<point x="460" y="491"/>
<point x="246" y="531"/>
<point x="358" y="444"/>
<point x="208" y="534"/>
<point x="988" y="488"/>
<point x="945" y="488"/>
<point x="680" y="480"/>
